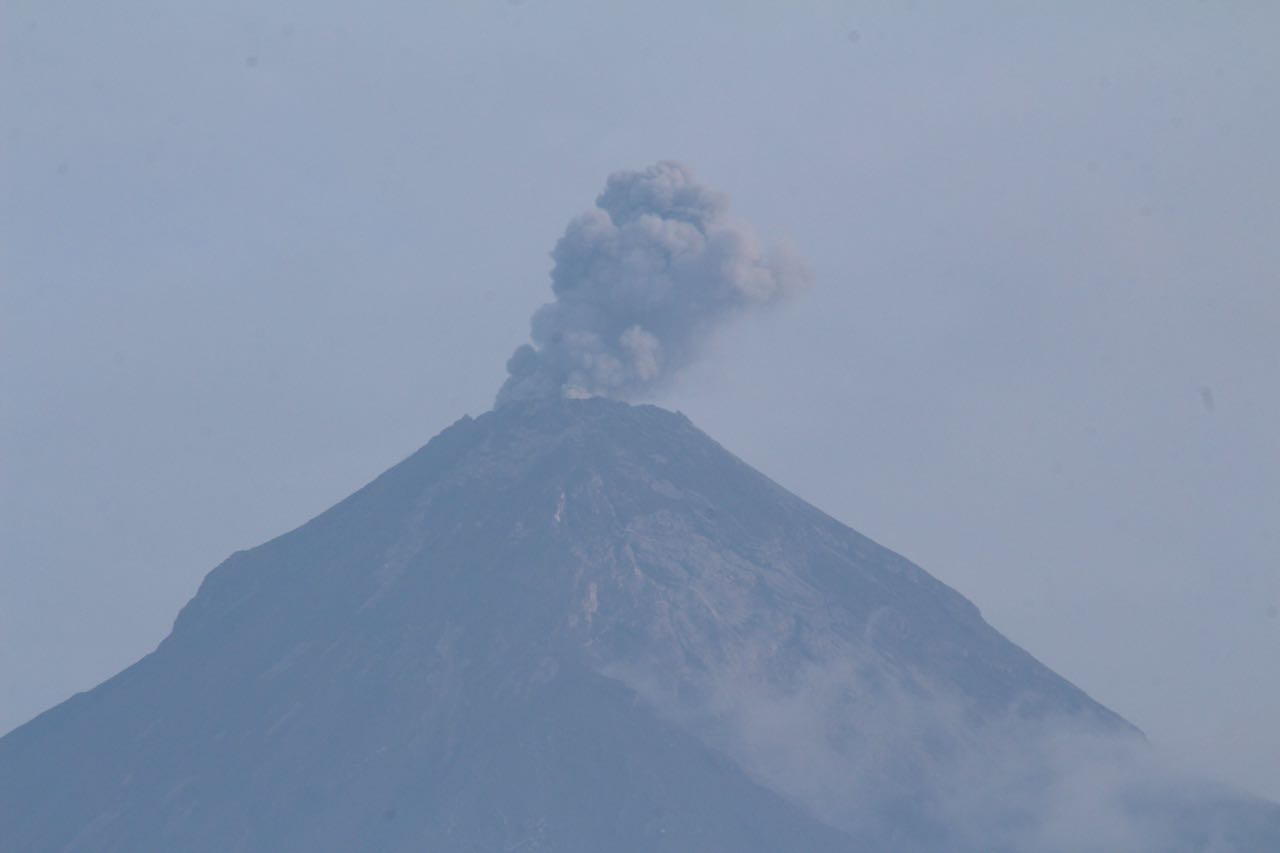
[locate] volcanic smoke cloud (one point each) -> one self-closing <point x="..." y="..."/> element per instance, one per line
<point x="641" y="282"/>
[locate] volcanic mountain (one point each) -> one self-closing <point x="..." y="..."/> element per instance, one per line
<point x="581" y="625"/>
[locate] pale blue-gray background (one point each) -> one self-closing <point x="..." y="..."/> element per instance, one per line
<point x="251" y="254"/>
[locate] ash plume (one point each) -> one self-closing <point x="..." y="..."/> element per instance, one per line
<point x="641" y="282"/>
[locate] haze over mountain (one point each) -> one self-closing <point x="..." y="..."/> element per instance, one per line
<point x="578" y="624"/>
<point x="257" y="253"/>
<point x="584" y="625"/>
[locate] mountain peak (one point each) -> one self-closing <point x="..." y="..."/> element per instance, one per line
<point x="579" y="625"/>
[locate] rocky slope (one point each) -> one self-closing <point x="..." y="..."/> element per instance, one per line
<point x="583" y="625"/>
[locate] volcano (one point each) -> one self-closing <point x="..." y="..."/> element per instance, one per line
<point x="582" y="625"/>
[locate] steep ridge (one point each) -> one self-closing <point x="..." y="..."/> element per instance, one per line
<point x="583" y="625"/>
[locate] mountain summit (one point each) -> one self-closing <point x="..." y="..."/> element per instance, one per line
<point x="581" y="625"/>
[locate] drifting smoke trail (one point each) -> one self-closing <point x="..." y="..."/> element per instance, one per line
<point x="641" y="282"/>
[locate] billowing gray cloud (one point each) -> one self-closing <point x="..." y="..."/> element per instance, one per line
<point x="641" y="282"/>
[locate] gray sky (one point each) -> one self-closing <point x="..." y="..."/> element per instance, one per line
<point x="252" y="255"/>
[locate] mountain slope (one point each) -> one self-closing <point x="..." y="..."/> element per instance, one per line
<point x="582" y="625"/>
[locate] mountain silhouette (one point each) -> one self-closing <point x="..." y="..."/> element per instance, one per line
<point x="582" y="625"/>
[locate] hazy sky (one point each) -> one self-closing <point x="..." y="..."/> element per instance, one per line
<point x="252" y="254"/>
